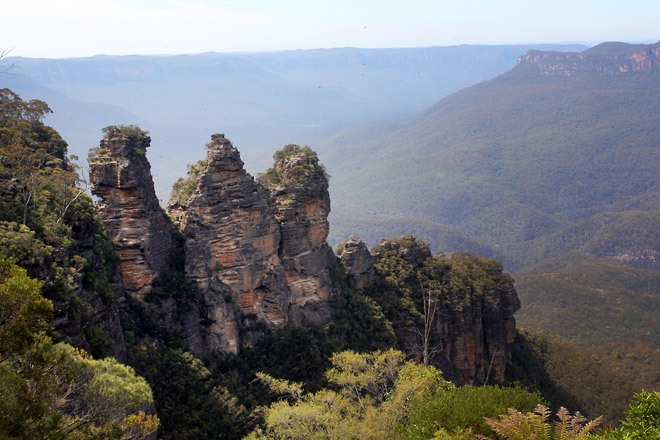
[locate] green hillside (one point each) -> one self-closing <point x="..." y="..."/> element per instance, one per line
<point x="603" y="306"/>
<point x="556" y="149"/>
<point x="629" y="236"/>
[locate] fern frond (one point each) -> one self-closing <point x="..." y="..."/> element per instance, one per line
<point x="542" y="429"/>
<point x="591" y="425"/>
<point x="562" y="427"/>
<point x="536" y="426"/>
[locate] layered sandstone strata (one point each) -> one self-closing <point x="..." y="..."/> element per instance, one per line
<point x="302" y="206"/>
<point x="256" y="257"/>
<point x="120" y="176"/>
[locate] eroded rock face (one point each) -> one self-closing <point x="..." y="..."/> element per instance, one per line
<point x="120" y="175"/>
<point x="472" y="331"/>
<point x="359" y="262"/>
<point x="257" y="256"/>
<point x="231" y="248"/>
<point x="302" y="206"/>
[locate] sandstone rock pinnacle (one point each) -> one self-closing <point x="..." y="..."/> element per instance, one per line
<point x="120" y="176"/>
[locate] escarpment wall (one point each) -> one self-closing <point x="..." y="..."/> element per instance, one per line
<point x="472" y="331"/>
<point x="608" y="58"/>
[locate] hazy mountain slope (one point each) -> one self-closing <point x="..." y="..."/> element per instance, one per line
<point x="261" y="100"/>
<point x="630" y="236"/>
<point x="80" y="121"/>
<point x="624" y="301"/>
<point x="555" y="165"/>
<point x="599" y="304"/>
<point x="555" y="147"/>
<point x="439" y="236"/>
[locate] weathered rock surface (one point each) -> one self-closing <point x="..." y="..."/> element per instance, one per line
<point x="120" y="175"/>
<point x="359" y="262"/>
<point x="473" y="333"/>
<point x="254" y="259"/>
<point x="610" y="58"/>
<point x="302" y="206"/>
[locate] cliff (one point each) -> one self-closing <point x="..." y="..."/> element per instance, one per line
<point x="608" y="58"/>
<point x="120" y="176"/>
<point x="466" y="301"/>
<point x="302" y="205"/>
<point x="359" y="263"/>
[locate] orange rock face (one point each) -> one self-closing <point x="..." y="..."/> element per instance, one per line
<point x="120" y="176"/>
<point x="303" y="204"/>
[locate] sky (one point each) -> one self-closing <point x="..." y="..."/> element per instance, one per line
<point x="78" y="28"/>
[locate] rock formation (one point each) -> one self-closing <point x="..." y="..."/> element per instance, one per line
<point x="473" y="333"/>
<point x="120" y="175"/>
<point x="257" y="254"/>
<point x="359" y="263"/>
<point x="612" y="58"/>
<point x="302" y="206"/>
<point x="254" y="259"/>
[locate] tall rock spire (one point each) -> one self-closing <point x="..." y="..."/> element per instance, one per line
<point x="302" y="203"/>
<point x="120" y="176"/>
<point x="258" y="258"/>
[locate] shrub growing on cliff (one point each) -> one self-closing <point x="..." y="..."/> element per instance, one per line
<point x="128" y="131"/>
<point x="278" y="175"/>
<point x="183" y="189"/>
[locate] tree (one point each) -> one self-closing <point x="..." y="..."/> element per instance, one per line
<point x="4" y="55"/>
<point x="24" y="314"/>
<point x="67" y="189"/>
<point x="54" y="390"/>
<point x="433" y="283"/>
<point x="27" y="169"/>
<point x="373" y="394"/>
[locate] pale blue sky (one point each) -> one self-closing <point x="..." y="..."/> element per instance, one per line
<point x="72" y="28"/>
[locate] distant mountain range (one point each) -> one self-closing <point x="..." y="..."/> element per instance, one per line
<point x="262" y="101"/>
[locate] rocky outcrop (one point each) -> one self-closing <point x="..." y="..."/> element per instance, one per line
<point x="255" y="259"/>
<point x="257" y="253"/>
<point x="120" y="176"/>
<point x="473" y="329"/>
<point x="302" y="205"/>
<point x="610" y="58"/>
<point x="359" y="263"/>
